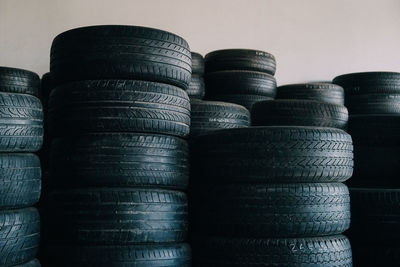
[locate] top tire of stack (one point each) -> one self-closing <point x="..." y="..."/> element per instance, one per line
<point x="19" y="81"/>
<point x="240" y="59"/>
<point x="121" y="52"/>
<point x="197" y="64"/>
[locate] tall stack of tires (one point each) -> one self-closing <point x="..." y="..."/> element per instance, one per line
<point x="118" y="116"/>
<point x="273" y="195"/>
<point x="21" y="131"/>
<point x="240" y="76"/>
<point x="373" y="100"/>
<point x="196" y="89"/>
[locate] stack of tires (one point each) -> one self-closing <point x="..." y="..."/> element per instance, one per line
<point x="21" y="130"/>
<point x="373" y="99"/>
<point x="240" y="76"/>
<point x="196" y="88"/>
<point x="274" y="197"/>
<point x="119" y="161"/>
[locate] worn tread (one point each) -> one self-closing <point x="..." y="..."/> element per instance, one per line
<point x="19" y="81"/>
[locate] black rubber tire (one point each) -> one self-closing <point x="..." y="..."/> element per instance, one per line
<point x="120" y="159"/>
<point x="19" y="236"/>
<point x="121" y="52"/>
<point x="118" y="106"/>
<point x="32" y="263"/>
<point x="240" y="82"/>
<point x="211" y="115"/>
<point x="299" y="113"/>
<point x="313" y="252"/>
<point x="145" y="255"/>
<point x="240" y="59"/>
<point x="246" y="101"/>
<point x="274" y="154"/>
<point x="322" y="92"/>
<point x="21" y="123"/>
<point x="374" y="104"/>
<point x="279" y="210"/>
<point x="47" y="84"/>
<point x="117" y="216"/>
<point x="20" y="180"/>
<point x="19" y="81"/>
<point x="369" y="83"/>
<point x="196" y="88"/>
<point x="197" y="64"/>
<point x="376" y="254"/>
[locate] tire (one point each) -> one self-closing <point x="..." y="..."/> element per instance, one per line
<point x="20" y="180"/>
<point x="274" y="154"/>
<point x="279" y="210"/>
<point x="117" y="216"/>
<point x="19" y="81"/>
<point x="322" y="92"/>
<point x="196" y="88"/>
<point x="299" y="113"/>
<point x="240" y="82"/>
<point x="374" y="104"/>
<point x="47" y="84"/>
<point x="120" y="256"/>
<point x="121" y="52"/>
<point x="369" y="83"/>
<point x="197" y="64"/>
<point x="120" y="159"/>
<point x="118" y="106"/>
<point x="21" y="123"/>
<point x="246" y="101"/>
<point x="209" y="116"/>
<point x="32" y="263"/>
<point x="317" y="251"/>
<point x="376" y="130"/>
<point x="240" y="59"/>
<point x="376" y="254"/>
<point x="19" y="236"/>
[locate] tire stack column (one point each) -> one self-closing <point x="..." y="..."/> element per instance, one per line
<point x="118" y="116"/>
<point x="21" y="131"/>
<point x="373" y="100"/>
<point x="196" y="88"/>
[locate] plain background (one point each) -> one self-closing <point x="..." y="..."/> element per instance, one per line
<point x="312" y="40"/>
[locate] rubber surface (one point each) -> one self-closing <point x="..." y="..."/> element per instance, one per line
<point x="323" y="92"/>
<point x="121" y="52"/>
<point x="32" y="263"/>
<point x="246" y="101"/>
<point x="374" y="104"/>
<point x="19" y="81"/>
<point x="120" y="159"/>
<point x="211" y="115"/>
<point x="117" y="216"/>
<point x="19" y="236"/>
<point x="274" y="154"/>
<point x="197" y="63"/>
<point x="299" y="113"/>
<point x="240" y="59"/>
<point x="196" y="88"/>
<point x="20" y="180"/>
<point x="118" y="106"/>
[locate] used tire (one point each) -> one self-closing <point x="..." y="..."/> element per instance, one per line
<point x="274" y="154"/>
<point x="246" y="101"/>
<point x="279" y="210"/>
<point x="197" y="64"/>
<point x="120" y="159"/>
<point x="240" y="59"/>
<point x="374" y="104"/>
<point x="316" y="251"/>
<point x="196" y="88"/>
<point x="19" y="236"/>
<point x="211" y="115"/>
<point x="146" y="255"/>
<point x="117" y="216"/>
<point x="121" y="52"/>
<point x="19" y="81"/>
<point x="322" y="92"/>
<point x="21" y="123"/>
<point x="299" y="113"/>
<point x="32" y="263"/>
<point x="118" y="106"/>
<point x="20" y="180"/>
<point x="376" y="254"/>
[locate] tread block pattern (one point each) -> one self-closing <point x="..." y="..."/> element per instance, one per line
<point x="120" y="159"/>
<point x="246" y="101"/>
<point x="274" y="154"/>
<point x="117" y="216"/>
<point x="197" y="64"/>
<point x="196" y="88"/>
<point x="374" y="104"/>
<point x="121" y="52"/>
<point x="19" y="236"/>
<point x="19" y="81"/>
<point x="118" y="106"/>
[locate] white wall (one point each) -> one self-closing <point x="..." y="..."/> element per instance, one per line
<point x="311" y="39"/>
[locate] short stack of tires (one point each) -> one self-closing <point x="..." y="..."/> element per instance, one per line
<point x="272" y="196"/>
<point x="118" y="116"/>
<point x="196" y="89"/>
<point x="240" y="76"/>
<point x="21" y="134"/>
<point x="373" y="100"/>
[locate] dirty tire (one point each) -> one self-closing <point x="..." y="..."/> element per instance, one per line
<point x="246" y="101"/>
<point x="197" y="64"/>
<point x="196" y="88"/>
<point x="19" y="81"/>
